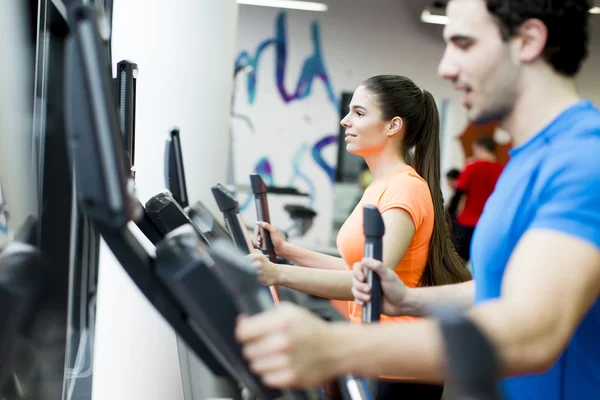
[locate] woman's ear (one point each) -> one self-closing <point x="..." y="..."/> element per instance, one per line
<point x="395" y="126"/>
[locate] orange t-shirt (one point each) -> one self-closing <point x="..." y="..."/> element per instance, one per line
<point x="402" y="188"/>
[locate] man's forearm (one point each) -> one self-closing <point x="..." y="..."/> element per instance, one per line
<point x="334" y="285"/>
<point x="312" y="259"/>
<point x="420" y="300"/>
<point x="524" y="344"/>
<point x="412" y="350"/>
<point x="525" y="341"/>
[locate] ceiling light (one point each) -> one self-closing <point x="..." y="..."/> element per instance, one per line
<point x="430" y="16"/>
<point x="437" y="14"/>
<point x="291" y="4"/>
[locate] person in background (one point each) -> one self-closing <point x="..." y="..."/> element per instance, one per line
<point x="474" y="186"/>
<point x="365" y="178"/>
<point x="451" y="179"/>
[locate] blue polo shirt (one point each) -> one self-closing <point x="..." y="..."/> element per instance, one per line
<point x="551" y="182"/>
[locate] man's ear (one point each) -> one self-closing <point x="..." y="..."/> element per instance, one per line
<point x="534" y="36"/>
<point x="395" y="126"/>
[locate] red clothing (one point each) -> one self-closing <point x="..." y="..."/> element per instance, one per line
<point x="477" y="181"/>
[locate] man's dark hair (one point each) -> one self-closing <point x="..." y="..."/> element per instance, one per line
<point x="453" y="174"/>
<point x="566" y="21"/>
<point x="487" y="143"/>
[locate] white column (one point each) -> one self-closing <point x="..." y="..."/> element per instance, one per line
<point x="185" y="53"/>
<point x="17" y="164"/>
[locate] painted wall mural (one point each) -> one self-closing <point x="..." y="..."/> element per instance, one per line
<point x="285" y="115"/>
<point x="313" y="67"/>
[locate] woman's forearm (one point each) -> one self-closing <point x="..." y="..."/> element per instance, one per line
<point x="312" y="259"/>
<point x="334" y="285"/>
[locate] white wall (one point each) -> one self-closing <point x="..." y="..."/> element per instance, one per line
<point x="185" y="50"/>
<point x="587" y="81"/>
<point x="17" y="162"/>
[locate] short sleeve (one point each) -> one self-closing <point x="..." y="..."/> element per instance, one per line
<point x="409" y="193"/>
<point x="570" y="199"/>
<point x="464" y="179"/>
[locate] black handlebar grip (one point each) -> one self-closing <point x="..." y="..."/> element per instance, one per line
<point x="262" y="213"/>
<point x="229" y="206"/>
<point x="374" y="230"/>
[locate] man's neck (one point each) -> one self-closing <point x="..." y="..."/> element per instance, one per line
<point x="544" y="97"/>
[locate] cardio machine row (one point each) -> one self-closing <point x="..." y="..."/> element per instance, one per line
<point x="199" y="284"/>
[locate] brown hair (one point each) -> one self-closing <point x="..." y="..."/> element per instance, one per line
<point x="398" y="96"/>
<point x="486" y="143"/>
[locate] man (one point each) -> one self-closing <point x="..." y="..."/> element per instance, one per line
<point x="474" y="186"/>
<point x="536" y="251"/>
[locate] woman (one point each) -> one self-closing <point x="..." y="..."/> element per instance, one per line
<point x="394" y="126"/>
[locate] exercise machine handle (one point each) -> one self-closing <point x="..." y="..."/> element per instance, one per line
<point x="127" y="72"/>
<point x="229" y="206"/>
<point x="262" y="213"/>
<point x="374" y="230"/>
<point x="250" y="297"/>
<point x="174" y="170"/>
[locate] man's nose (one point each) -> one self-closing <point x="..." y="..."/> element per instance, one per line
<point x="448" y="68"/>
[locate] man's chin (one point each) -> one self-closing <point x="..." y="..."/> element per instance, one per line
<point x="482" y="118"/>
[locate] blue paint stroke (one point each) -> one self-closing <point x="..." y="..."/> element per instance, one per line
<point x="3" y="229"/>
<point x="317" y="155"/>
<point x="314" y="66"/>
<point x="264" y="169"/>
<point x="296" y="164"/>
<point x="246" y="203"/>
